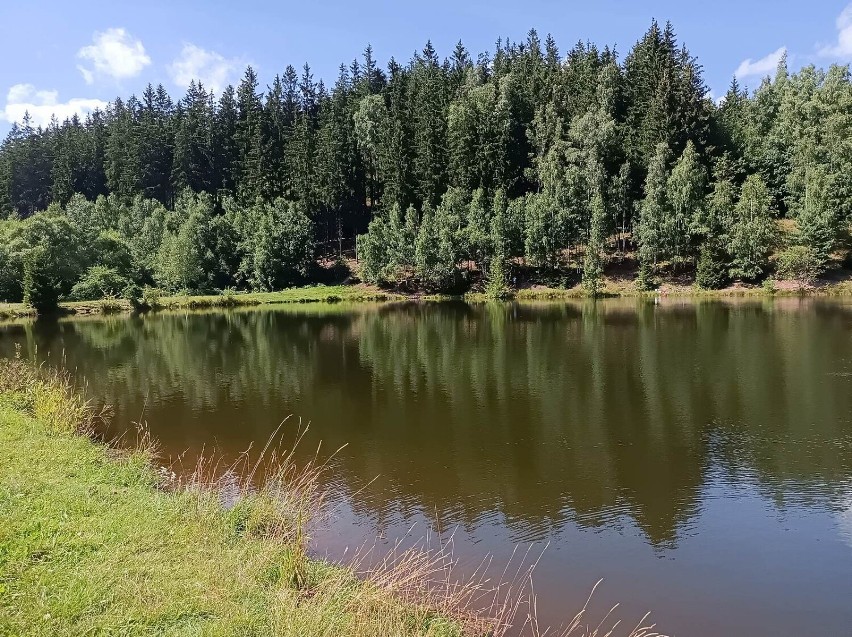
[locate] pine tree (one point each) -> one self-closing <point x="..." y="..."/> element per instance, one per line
<point x="225" y="151"/>
<point x="302" y="160"/>
<point x="428" y="108"/>
<point x="193" y="164"/>
<point x="339" y="178"/>
<point x="121" y="153"/>
<point x="276" y="135"/>
<point x="396" y="157"/>
<point x="156" y="145"/>
<point x="251" y="181"/>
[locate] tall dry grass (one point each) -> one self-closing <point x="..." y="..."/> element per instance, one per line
<point x="49" y="395"/>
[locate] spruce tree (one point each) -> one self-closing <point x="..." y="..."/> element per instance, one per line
<point x="251" y="180"/>
<point x="654" y="212"/>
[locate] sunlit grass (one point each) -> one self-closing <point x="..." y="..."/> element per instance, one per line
<point x="309" y="294"/>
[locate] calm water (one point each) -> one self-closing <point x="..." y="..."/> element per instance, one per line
<point x="697" y="456"/>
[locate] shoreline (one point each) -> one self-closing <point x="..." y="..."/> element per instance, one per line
<point x="361" y="293"/>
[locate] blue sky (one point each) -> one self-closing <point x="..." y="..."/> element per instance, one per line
<point x="62" y="57"/>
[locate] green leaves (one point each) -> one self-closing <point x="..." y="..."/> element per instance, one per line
<point x="275" y="241"/>
<point x="438" y="166"/>
<point x="753" y="233"/>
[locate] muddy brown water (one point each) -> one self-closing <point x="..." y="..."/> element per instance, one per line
<point x="697" y="456"/>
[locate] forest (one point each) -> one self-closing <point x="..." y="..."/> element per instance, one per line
<point x="438" y="175"/>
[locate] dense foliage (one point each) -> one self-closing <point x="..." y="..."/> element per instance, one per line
<point x="524" y="157"/>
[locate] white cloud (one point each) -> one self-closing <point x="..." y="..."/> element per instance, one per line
<point x="194" y="63"/>
<point x="762" y="67"/>
<point x="41" y="105"/>
<point x="843" y="48"/>
<point x="115" y="54"/>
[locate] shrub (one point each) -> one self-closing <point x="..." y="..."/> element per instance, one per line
<point x="133" y="294"/>
<point x="110" y="305"/>
<point x="152" y="298"/>
<point x="41" y="289"/>
<point x="228" y="298"/>
<point x="799" y="263"/>
<point x="99" y="282"/>
<point x="712" y="270"/>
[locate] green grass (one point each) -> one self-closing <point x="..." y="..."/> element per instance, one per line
<point x="91" y="545"/>
<point x="371" y="294"/>
<point x="15" y="310"/>
<point x="308" y="294"/>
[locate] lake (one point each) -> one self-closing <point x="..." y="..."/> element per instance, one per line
<point x="696" y="455"/>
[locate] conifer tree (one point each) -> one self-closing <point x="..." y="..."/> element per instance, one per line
<point x="251" y="181"/>
<point x="654" y="211"/>
<point x="225" y="151"/>
<point x="428" y="108"/>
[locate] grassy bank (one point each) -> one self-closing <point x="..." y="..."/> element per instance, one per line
<point x="619" y="288"/>
<point x="307" y="294"/>
<point x="91" y="543"/>
<point x="360" y="293"/>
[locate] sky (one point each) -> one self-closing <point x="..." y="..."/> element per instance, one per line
<point x="64" y="57"/>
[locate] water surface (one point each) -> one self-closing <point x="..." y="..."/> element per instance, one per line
<point x="695" y="455"/>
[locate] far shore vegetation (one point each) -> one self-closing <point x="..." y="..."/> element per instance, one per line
<point x="526" y="170"/>
<point x="153" y="299"/>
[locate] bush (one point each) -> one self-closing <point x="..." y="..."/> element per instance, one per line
<point x="228" y="298"/>
<point x="99" y="282"/>
<point x="497" y="287"/>
<point x="799" y="263"/>
<point x="644" y="279"/>
<point x="152" y="298"/>
<point x="111" y="305"/>
<point x="133" y="294"/>
<point x="712" y="270"/>
<point x="41" y="288"/>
